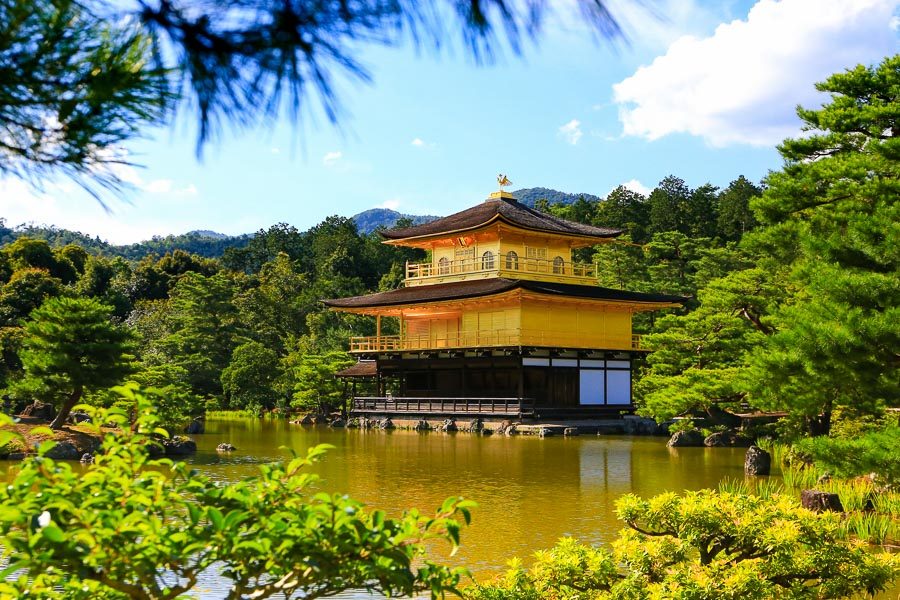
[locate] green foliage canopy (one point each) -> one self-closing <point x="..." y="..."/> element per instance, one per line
<point x="71" y="346"/>
<point x="832" y="214"/>
<point x="136" y="528"/>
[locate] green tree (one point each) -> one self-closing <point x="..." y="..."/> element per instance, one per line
<point x="625" y="209"/>
<point x="672" y="258"/>
<point x="128" y="527"/>
<point x="29" y="253"/>
<point x="871" y="452"/>
<point x="698" y="359"/>
<point x="735" y="217"/>
<point x="669" y="206"/>
<point x="203" y="328"/>
<point x="277" y="307"/>
<point x="169" y="390"/>
<point x="705" y="545"/>
<point x="310" y="380"/>
<point x="621" y="265"/>
<point x="831" y="214"/>
<point x="249" y="379"/>
<point x="702" y="212"/>
<point x="70" y="347"/>
<point x="25" y="291"/>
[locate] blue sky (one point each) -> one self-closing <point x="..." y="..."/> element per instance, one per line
<point x="704" y="94"/>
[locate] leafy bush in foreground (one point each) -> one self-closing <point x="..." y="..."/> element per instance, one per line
<point x="132" y="527"/>
<point x="702" y="546"/>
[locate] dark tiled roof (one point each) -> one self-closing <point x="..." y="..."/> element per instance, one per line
<point x="507" y="210"/>
<point x="485" y="287"/>
<point x="363" y="368"/>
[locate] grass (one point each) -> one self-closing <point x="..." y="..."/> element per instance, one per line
<point x="871" y="513"/>
<point x="872" y="527"/>
<point x="764" y="488"/>
<point x="226" y="415"/>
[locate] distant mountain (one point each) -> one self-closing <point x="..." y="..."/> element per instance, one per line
<point x="370" y="220"/>
<point x="528" y="196"/>
<point x="208" y="234"/>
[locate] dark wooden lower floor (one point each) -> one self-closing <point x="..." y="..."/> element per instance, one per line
<point x="556" y="385"/>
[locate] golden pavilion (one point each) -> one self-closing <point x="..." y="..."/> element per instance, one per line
<point x="500" y="321"/>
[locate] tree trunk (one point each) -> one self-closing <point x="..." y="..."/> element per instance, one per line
<point x="66" y="408"/>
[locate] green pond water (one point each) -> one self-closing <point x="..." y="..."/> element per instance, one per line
<point x="530" y="491"/>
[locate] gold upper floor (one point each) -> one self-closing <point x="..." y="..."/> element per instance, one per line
<point x="501" y="250"/>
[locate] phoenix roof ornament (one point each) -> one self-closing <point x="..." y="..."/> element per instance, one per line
<point x="503" y="181"/>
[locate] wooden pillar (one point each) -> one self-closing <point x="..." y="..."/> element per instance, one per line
<point x="402" y="336"/>
<point x="378" y="331"/>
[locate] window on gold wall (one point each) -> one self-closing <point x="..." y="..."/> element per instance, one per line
<point x="512" y="261"/>
<point x="559" y="265"/>
<point x="487" y="261"/>
<point x="534" y="253"/>
<point x="444" y="266"/>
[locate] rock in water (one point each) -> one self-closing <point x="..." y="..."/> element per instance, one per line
<point x="820" y="501"/>
<point x="688" y="437"/>
<point x="179" y="446"/>
<point x="225" y="447"/>
<point x="421" y="425"/>
<point x="727" y="438"/>
<point x="338" y="422"/>
<point x="64" y="451"/>
<point x="386" y="423"/>
<point x="757" y="461"/>
<point x="198" y="425"/>
<point x="476" y="426"/>
<point x="87" y="458"/>
<point x="447" y="425"/>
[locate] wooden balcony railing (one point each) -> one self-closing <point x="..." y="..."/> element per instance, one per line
<point x="501" y="266"/>
<point x="487" y="339"/>
<point x="512" y="407"/>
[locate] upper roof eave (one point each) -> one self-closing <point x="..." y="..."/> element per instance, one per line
<point x="510" y="212"/>
<point x="614" y="233"/>
<point x="462" y="290"/>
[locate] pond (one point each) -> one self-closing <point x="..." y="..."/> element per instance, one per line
<point x="530" y="491"/>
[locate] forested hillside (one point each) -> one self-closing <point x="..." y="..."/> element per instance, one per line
<point x="529" y="196"/>
<point x="375" y="218"/>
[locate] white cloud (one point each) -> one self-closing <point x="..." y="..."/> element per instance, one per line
<point x="392" y="204"/>
<point x="331" y="158"/>
<point x="742" y="84"/>
<point x="418" y="142"/>
<point x="571" y="131"/>
<point x="275" y="150"/>
<point x="636" y="186"/>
